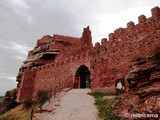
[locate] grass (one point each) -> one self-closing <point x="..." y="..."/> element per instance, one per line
<point x="20" y="112"/>
<point x="105" y="105"/>
<point x="101" y="94"/>
<point x="17" y="113"/>
<point x="23" y="111"/>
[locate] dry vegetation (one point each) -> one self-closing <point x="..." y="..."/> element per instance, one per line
<point x="18" y="113"/>
<point x="23" y="111"/>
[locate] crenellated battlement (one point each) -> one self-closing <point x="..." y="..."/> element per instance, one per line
<point x="56" y="37"/>
<point x="103" y="41"/>
<point x="155" y="12"/>
<point x="142" y="19"/>
<point x="73" y="40"/>
<point x="145" y="25"/>
<point x="63" y="37"/>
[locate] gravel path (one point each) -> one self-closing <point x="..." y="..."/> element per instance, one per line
<point x="75" y="104"/>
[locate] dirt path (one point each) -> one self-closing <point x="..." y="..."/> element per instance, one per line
<point x="74" y="105"/>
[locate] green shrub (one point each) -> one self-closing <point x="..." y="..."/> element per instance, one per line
<point x="27" y="104"/>
<point x="42" y="97"/>
<point x="12" y="104"/>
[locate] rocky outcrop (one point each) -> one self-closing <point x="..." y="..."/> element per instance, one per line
<point x="143" y="95"/>
<point x="9" y="100"/>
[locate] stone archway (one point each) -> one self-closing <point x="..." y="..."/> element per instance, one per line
<point x="82" y="77"/>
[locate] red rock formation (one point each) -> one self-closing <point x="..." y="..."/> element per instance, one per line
<point x="143" y="96"/>
<point x="9" y="101"/>
<point x="55" y="61"/>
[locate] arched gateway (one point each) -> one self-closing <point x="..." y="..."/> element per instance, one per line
<point x="82" y="77"/>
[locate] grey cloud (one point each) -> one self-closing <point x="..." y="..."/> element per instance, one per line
<point x="18" y="48"/>
<point x="20" y="58"/>
<point x="21" y="3"/>
<point x="6" y="84"/>
<point x="9" y="78"/>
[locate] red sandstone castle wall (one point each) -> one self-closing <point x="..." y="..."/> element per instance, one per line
<point x="107" y="62"/>
<point x="53" y="77"/>
<point x="57" y="72"/>
<point x="124" y="46"/>
<point x="47" y="39"/>
<point x="27" y="84"/>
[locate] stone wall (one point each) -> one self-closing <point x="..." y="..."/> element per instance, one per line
<point x="113" y="57"/>
<point x="56" y="76"/>
<point x="53" y="74"/>
<point x="107" y="61"/>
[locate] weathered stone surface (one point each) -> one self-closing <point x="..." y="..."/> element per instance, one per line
<point x="155" y="76"/>
<point x="8" y="100"/>
<point x="143" y="96"/>
<point x="40" y="49"/>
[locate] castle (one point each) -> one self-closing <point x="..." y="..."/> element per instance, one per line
<point x="61" y="61"/>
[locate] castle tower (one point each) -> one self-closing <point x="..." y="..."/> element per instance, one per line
<point x="86" y="40"/>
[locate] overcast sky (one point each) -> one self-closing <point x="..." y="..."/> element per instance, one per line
<point x="23" y="22"/>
